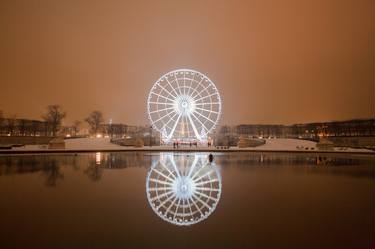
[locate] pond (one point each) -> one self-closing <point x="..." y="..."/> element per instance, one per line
<point x="182" y="200"/>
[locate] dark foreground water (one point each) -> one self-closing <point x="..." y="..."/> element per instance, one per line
<point x="267" y="200"/>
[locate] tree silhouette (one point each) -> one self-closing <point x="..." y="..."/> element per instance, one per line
<point x="54" y="117"/>
<point x="95" y="119"/>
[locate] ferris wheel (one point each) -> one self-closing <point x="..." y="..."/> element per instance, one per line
<point x="183" y="190"/>
<point x="184" y="104"/>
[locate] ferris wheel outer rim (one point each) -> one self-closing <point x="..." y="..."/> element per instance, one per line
<point x="192" y="71"/>
<point x="188" y="223"/>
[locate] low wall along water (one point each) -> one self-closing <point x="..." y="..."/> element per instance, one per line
<point x="26" y="140"/>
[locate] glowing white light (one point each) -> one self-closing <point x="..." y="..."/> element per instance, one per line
<point x="183" y="190"/>
<point x="98" y="158"/>
<point x="185" y="105"/>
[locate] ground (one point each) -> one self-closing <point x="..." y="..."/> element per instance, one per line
<point x="90" y="144"/>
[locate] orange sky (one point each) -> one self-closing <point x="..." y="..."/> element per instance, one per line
<point x="273" y="61"/>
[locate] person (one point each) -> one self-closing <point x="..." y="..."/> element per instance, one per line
<point x="174" y="145"/>
<point x="190" y="144"/>
<point x="210" y="158"/>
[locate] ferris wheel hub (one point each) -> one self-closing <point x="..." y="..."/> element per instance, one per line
<point x="184" y="187"/>
<point x="184" y="105"/>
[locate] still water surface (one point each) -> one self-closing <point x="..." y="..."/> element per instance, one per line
<point x="267" y="200"/>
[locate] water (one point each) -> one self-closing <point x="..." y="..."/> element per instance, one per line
<point x="269" y="200"/>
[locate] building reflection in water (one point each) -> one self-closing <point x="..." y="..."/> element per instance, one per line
<point x="183" y="189"/>
<point x="98" y="158"/>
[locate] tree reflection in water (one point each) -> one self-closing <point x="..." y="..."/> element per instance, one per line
<point x="52" y="173"/>
<point x="94" y="171"/>
<point x="52" y="167"/>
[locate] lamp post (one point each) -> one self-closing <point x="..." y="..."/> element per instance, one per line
<point x="150" y="135"/>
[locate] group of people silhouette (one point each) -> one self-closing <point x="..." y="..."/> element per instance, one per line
<point x="176" y="144"/>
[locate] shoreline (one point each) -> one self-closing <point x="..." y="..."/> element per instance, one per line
<point x="68" y="151"/>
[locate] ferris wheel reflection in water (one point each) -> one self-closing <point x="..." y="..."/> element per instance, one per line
<point x="183" y="189"/>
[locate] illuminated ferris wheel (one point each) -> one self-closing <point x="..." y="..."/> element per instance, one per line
<point x="184" y="104"/>
<point x="183" y="190"/>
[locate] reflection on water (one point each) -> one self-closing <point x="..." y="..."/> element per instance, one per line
<point x="50" y="165"/>
<point x="52" y="173"/>
<point x="183" y="190"/>
<point x="94" y="164"/>
<point x="98" y="158"/>
<point x="269" y="200"/>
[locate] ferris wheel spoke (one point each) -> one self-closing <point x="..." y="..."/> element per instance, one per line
<point x="183" y="209"/>
<point x="196" y="87"/>
<point x="175" y="168"/>
<point x="171" y="86"/>
<point x="165" y="201"/>
<point x="196" y="118"/>
<point x="161" y="96"/>
<point x="208" y="189"/>
<point x="161" y="103"/>
<point x="161" y="196"/>
<point x="208" y="103"/>
<point x="204" y="89"/>
<point x="211" y="111"/>
<point x="188" y="203"/>
<point x="160" y="173"/>
<point x="206" y="182"/>
<point x="163" y="117"/>
<point x="160" y="181"/>
<point x="192" y="90"/>
<point x="170" y="206"/>
<point x="194" y="127"/>
<point x="192" y="166"/>
<point x="159" y="189"/>
<point x="174" y="126"/>
<point x="160" y="110"/>
<point x="195" y="204"/>
<point x="205" y="117"/>
<point x="199" y="170"/>
<point x="207" y="196"/>
<point x="178" y="84"/>
<point x="170" y="172"/>
<point x="184" y="78"/>
<point x="190" y="86"/>
<point x="169" y="93"/>
<point x="207" y="96"/>
<point x="170" y="120"/>
<point x="187" y="125"/>
<point x="204" y="203"/>
<point x="177" y="207"/>
<point x="202" y="176"/>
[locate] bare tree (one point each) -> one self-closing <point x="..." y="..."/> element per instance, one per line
<point x="54" y="117"/>
<point x="76" y="126"/>
<point x="22" y="126"/>
<point x="11" y="124"/>
<point x="1" y="121"/>
<point x="95" y="119"/>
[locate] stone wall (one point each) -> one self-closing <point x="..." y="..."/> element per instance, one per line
<point x="353" y="141"/>
<point x="9" y="140"/>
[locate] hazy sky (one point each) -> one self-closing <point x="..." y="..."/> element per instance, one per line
<point x="273" y="61"/>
